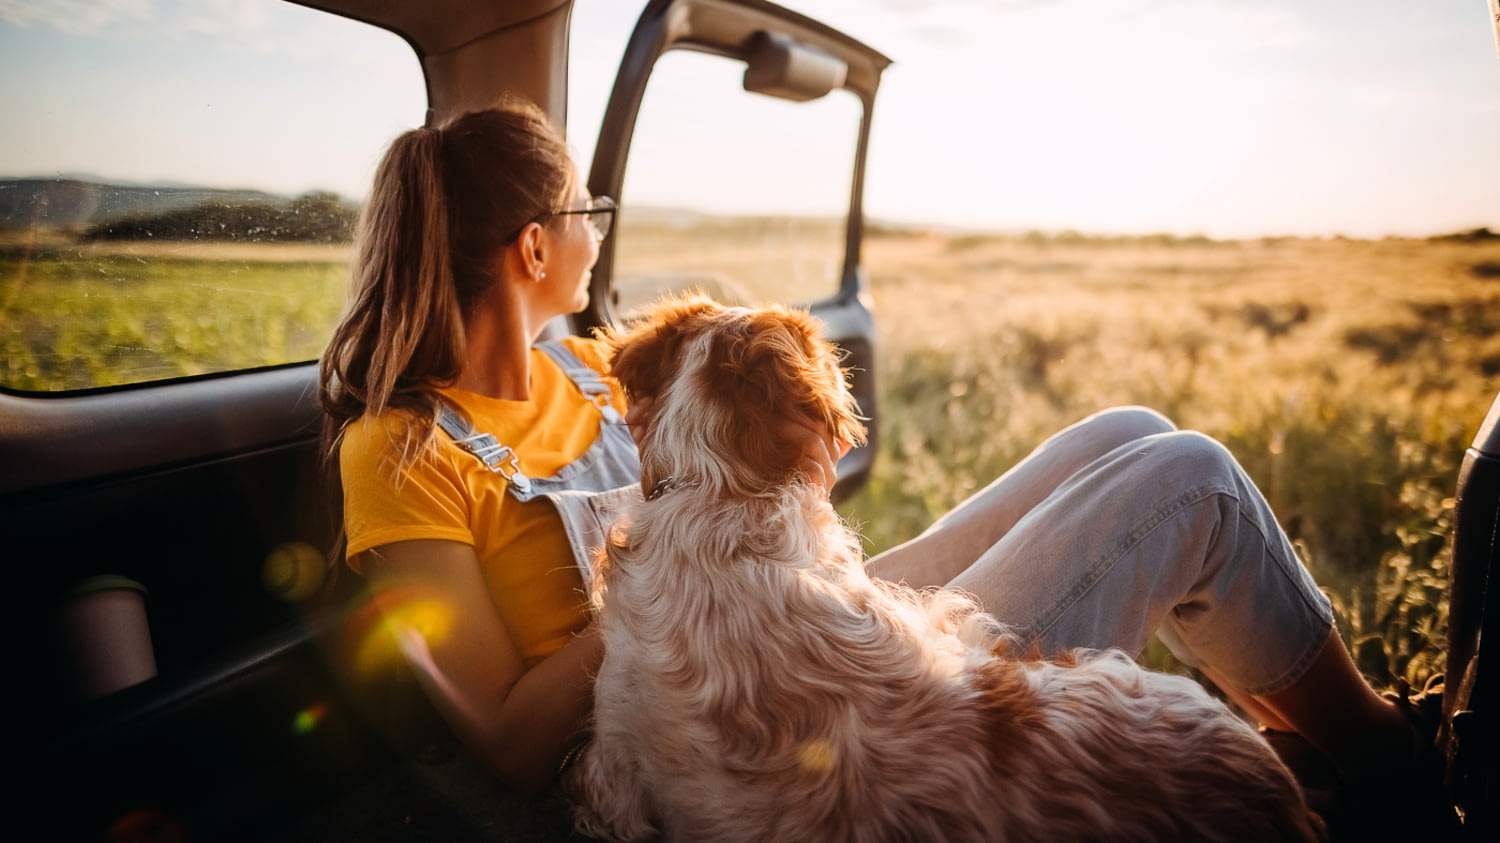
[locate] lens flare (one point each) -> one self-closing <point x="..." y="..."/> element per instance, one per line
<point x="293" y="571"/>
<point x="373" y="645"/>
<point x="817" y="755"/>
<point x="308" y="718"/>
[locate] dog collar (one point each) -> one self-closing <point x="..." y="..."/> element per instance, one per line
<point x="665" y="485"/>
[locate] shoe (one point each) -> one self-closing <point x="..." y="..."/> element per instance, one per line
<point x="1424" y="712"/>
<point x="1411" y="801"/>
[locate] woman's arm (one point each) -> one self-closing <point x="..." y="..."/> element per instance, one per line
<point x="520" y="721"/>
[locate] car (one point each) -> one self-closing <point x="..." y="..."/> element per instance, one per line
<point x="190" y="666"/>
<point x="162" y="518"/>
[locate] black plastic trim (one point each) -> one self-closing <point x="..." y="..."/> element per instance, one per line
<point x="55" y="441"/>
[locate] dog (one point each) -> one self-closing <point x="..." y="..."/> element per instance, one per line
<point x="759" y="685"/>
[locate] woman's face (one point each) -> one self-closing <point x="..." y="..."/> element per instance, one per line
<point x="576" y="244"/>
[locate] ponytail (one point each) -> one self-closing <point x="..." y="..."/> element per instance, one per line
<point x="444" y="202"/>
<point x="403" y="316"/>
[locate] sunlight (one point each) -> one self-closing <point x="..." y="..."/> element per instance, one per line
<point x="374" y="638"/>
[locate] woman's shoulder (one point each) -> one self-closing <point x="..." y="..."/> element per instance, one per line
<point x="380" y="426"/>
<point x="592" y="351"/>
<point x="375" y="439"/>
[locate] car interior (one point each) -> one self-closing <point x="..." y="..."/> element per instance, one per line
<point x="195" y="667"/>
<point x="197" y="664"/>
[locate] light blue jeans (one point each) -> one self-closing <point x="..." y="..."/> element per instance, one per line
<point x="1122" y="526"/>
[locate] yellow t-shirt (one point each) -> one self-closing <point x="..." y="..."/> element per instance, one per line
<point x="446" y="493"/>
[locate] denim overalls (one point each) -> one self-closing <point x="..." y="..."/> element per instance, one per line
<point x="588" y="493"/>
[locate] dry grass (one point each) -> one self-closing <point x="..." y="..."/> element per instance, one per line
<point x="737" y="260"/>
<point x="1347" y="376"/>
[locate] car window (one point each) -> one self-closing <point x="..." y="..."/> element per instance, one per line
<point x="741" y="195"/>
<point x="178" y="184"/>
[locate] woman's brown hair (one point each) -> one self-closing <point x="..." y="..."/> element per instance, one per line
<point x="444" y="202"/>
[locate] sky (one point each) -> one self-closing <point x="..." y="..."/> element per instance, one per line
<point x="1362" y="118"/>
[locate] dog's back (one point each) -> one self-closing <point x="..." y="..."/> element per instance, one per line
<point x="1094" y="747"/>
<point x="758" y="685"/>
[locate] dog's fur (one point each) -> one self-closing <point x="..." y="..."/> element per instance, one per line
<point x="759" y="685"/>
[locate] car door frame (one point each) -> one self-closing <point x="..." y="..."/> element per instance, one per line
<point x="728" y="28"/>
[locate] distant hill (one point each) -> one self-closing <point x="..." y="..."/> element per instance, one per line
<point x="77" y="202"/>
<point x="110" y="207"/>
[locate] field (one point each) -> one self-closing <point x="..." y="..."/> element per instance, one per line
<point x="79" y="316"/>
<point x="1347" y="376"/>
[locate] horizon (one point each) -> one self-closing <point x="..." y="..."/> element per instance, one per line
<point x="903" y="227"/>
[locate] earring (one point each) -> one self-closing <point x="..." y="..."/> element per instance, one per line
<point x="541" y="275"/>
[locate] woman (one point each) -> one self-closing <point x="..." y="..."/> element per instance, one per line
<point x="472" y="242"/>
<point x="478" y="234"/>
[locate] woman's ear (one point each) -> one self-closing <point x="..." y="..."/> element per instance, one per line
<point x="527" y="255"/>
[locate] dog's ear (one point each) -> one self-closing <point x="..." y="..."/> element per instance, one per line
<point x="645" y="356"/>
<point x="775" y="366"/>
<point x="821" y="389"/>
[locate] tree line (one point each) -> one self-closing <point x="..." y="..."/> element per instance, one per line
<point x="316" y="217"/>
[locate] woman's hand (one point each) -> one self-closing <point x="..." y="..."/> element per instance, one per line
<point x="820" y="450"/>
<point x="638" y="416"/>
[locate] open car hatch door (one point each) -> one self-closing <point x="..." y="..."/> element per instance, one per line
<point x="775" y="170"/>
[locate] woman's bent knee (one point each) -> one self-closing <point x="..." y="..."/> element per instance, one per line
<point x="1191" y="454"/>
<point x="1119" y="425"/>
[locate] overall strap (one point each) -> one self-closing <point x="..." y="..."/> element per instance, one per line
<point x="498" y="458"/>
<point x="588" y="381"/>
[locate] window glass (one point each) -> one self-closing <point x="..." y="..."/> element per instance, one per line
<point x="178" y="182"/>
<point x="741" y="195"/>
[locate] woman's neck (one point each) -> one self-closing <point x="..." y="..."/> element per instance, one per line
<point x="498" y="361"/>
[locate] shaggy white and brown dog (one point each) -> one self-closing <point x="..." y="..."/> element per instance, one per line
<point x="759" y="685"/>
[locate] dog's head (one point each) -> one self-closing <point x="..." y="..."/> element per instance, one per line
<point x="722" y="384"/>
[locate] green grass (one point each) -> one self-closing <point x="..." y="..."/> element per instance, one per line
<point x="73" y="322"/>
